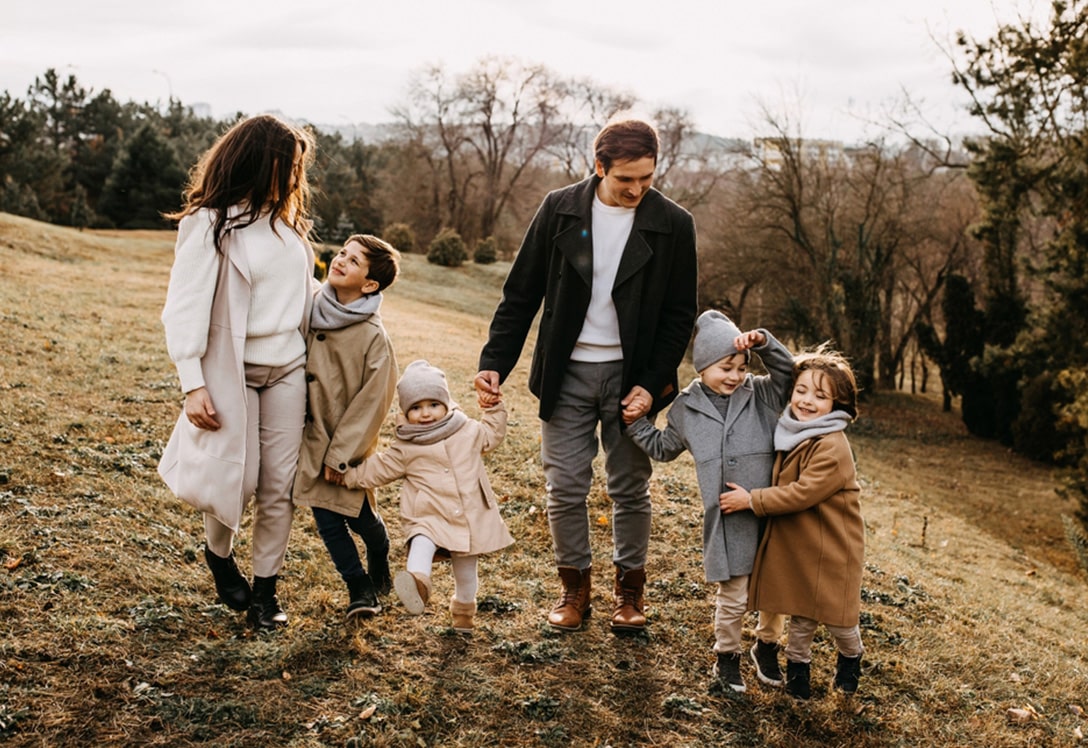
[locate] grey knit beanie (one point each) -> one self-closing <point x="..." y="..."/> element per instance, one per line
<point x="421" y="381"/>
<point x="714" y="336"/>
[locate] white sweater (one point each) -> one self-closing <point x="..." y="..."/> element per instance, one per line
<point x="280" y="280"/>
<point x="599" y="340"/>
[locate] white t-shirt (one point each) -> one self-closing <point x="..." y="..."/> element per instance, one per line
<point x="599" y="340"/>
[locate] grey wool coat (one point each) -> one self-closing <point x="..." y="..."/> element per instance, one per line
<point x="738" y="448"/>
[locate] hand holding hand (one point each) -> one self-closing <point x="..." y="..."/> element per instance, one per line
<point x="636" y="404"/>
<point x="334" y="476"/>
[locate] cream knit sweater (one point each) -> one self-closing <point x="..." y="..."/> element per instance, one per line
<point x="279" y="281"/>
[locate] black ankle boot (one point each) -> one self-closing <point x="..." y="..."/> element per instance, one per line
<point x="364" y="598"/>
<point x="265" y="611"/>
<point x="230" y="585"/>
<point x="379" y="573"/>
<point x="797" y="679"/>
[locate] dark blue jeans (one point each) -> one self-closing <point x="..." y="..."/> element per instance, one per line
<point x="334" y="530"/>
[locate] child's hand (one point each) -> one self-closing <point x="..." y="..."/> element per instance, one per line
<point x="487" y="399"/>
<point x="333" y="476"/>
<point x="750" y="339"/>
<point x="736" y="500"/>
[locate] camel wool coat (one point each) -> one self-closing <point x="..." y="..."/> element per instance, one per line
<point x="809" y="561"/>
<point x="351" y="378"/>
<point x="445" y="495"/>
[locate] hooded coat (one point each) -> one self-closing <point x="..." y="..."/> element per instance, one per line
<point x="738" y="448"/>
<point x="810" y="559"/>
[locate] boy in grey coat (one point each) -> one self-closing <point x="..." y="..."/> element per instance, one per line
<point x="726" y="419"/>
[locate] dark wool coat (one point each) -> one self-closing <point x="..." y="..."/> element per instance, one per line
<point x="809" y="562"/>
<point x="654" y="294"/>
<point x="738" y="448"/>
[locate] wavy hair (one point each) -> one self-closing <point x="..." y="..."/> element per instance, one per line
<point x="258" y="165"/>
<point x="835" y="369"/>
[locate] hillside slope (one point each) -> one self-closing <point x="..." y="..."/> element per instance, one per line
<point x="972" y="605"/>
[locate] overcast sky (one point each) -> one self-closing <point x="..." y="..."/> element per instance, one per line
<point x="835" y="63"/>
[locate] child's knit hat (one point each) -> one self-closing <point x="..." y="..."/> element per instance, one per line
<point x="421" y="381"/>
<point x="714" y="336"/>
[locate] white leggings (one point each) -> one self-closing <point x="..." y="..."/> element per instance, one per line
<point x="421" y="550"/>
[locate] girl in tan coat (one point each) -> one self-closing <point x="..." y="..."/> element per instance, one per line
<point x="446" y="501"/>
<point x="809" y="560"/>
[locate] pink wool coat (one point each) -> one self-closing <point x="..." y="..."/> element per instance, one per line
<point x="446" y="495"/>
<point x="809" y="561"/>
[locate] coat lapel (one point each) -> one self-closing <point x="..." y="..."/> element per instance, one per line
<point x="574" y="238"/>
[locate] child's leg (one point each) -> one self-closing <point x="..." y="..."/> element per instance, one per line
<point x="848" y="663"/>
<point x="463" y="603"/>
<point x="770" y="627"/>
<point x="465" y="581"/>
<point x="799" y="642"/>
<point x="730" y="604"/>
<point x="413" y="586"/>
<point x="847" y="640"/>
<point x="333" y="528"/>
<point x="799" y="656"/>
<point x="369" y="526"/>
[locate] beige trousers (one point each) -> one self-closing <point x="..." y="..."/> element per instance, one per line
<point x="276" y="410"/>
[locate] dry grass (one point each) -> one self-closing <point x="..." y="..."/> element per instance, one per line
<point x="973" y="601"/>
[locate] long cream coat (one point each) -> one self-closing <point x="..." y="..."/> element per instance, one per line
<point x="446" y="495"/>
<point x="809" y="561"/>
<point x="206" y="469"/>
<point x="351" y="378"/>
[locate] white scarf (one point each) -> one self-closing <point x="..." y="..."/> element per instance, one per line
<point x="790" y="432"/>
<point x="330" y="314"/>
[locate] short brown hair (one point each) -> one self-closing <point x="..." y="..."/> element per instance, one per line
<point x="836" y="370"/>
<point x="625" y="140"/>
<point x="384" y="260"/>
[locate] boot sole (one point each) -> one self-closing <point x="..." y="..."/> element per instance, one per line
<point x="405" y="585"/>
<point x="759" y="673"/>
<point x="363" y="611"/>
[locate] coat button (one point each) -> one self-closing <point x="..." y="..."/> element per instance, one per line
<point x="310" y="377"/>
<point x="732" y="462"/>
<point x="342" y="467"/>
<point x="321" y="336"/>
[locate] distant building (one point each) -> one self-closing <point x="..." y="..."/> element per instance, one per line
<point x="772" y="151"/>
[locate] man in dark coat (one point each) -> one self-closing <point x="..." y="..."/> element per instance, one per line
<point x="613" y="263"/>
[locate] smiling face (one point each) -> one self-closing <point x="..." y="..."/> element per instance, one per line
<point x="425" y="412"/>
<point x="811" y="396"/>
<point x="348" y="273"/>
<point x="725" y="375"/>
<point x="626" y="183"/>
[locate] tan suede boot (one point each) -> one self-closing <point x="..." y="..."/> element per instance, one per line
<point x="414" y="590"/>
<point x="628" y="615"/>
<point x="462" y="615"/>
<point x="573" y="607"/>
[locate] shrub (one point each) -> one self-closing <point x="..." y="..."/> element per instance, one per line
<point x="487" y="251"/>
<point x="447" y="249"/>
<point x="401" y="236"/>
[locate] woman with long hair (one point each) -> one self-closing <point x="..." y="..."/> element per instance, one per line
<point x="236" y="312"/>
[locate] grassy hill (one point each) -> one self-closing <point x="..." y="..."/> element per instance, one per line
<point x="973" y="611"/>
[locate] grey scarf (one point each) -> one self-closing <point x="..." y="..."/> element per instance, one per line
<point x="330" y="314"/>
<point x="431" y="433"/>
<point x="790" y="432"/>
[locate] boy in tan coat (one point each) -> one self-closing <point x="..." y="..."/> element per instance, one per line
<point x="351" y="375"/>
<point x="446" y="501"/>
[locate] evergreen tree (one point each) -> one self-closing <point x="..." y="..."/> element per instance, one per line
<point x="145" y="182"/>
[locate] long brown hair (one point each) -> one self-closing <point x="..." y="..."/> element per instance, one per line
<point x="253" y="166"/>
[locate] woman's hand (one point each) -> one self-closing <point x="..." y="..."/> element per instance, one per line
<point x="199" y="409"/>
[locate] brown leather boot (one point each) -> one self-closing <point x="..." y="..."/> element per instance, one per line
<point x="627" y="615"/>
<point x="573" y="607"/>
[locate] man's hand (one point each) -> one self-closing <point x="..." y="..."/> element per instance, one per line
<point x="488" y="393"/>
<point x="636" y="404"/>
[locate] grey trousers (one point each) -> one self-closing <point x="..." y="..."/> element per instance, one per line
<point x="276" y="408"/>
<point x="591" y="395"/>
